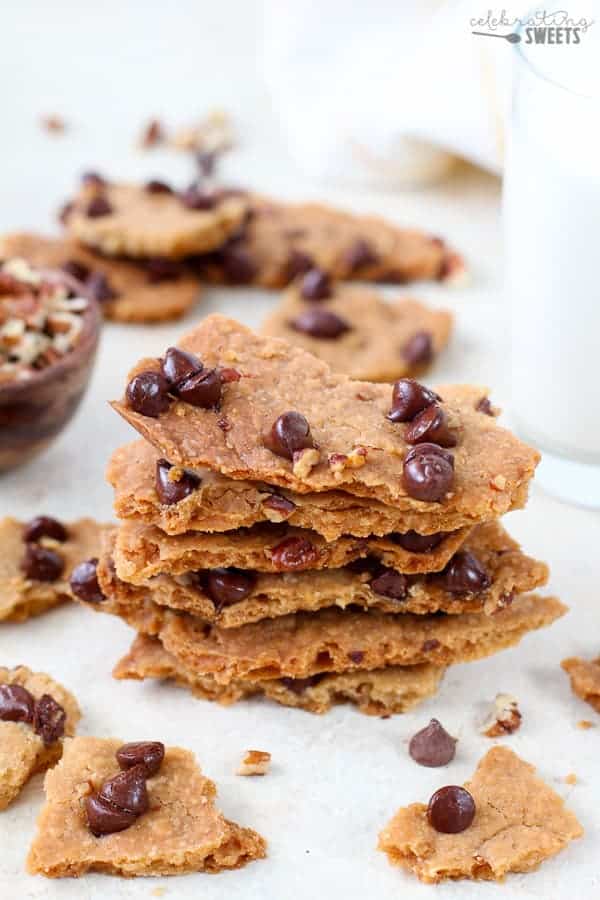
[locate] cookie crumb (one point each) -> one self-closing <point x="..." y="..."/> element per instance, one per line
<point x="53" y="124"/>
<point x="571" y="778"/>
<point x="152" y="134"/>
<point x="255" y="762"/>
<point x="584" y="724"/>
<point x="504" y="717"/>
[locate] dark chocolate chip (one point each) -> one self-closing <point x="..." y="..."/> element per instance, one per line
<point x="484" y="406"/>
<point x="195" y="198"/>
<point x="227" y="586"/>
<point x="84" y="582"/>
<point x="299" y="685"/>
<point x="16" y="703"/>
<point x="177" y="365"/>
<point x="45" y="526"/>
<point x="297" y="264"/>
<point x="172" y="490"/>
<point x="432" y="746"/>
<point x="418" y="350"/>
<point x="409" y="398"/>
<point x="430" y="425"/>
<point x="464" y="574"/>
<point x="418" y="543"/>
<point x="76" y="269"/>
<point x="148" y="394"/>
<point x="104" y="818"/>
<point x="93" y="179"/>
<point x="159" y="268"/>
<point x="127" y="790"/>
<point x="158" y="187"/>
<point x="97" y="287"/>
<point x="238" y="264"/>
<point x="356" y="656"/>
<point x="41" y="564"/>
<point x="294" y="553"/>
<point x="49" y="719"/>
<point x="316" y="285"/>
<point x="147" y="754"/>
<point x="320" y="323"/>
<point x="97" y="207"/>
<point x="428" y="472"/>
<point x="290" y="432"/>
<point x="389" y="583"/>
<point x="360" y="254"/>
<point x="202" y="389"/>
<point x="279" y="504"/>
<point x="451" y="809"/>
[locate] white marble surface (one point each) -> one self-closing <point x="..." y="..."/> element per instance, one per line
<point x="335" y="779"/>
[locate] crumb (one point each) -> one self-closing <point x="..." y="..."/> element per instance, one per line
<point x="152" y="134"/>
<point x="584" y="724"/>
<point x="255" y="762"/>
<point x="213" y="134"/>
<point x="53" y="124"/>
<point x="571" y="778"/>
<point x="159" y="891"/>
<point x="503" y="718"/>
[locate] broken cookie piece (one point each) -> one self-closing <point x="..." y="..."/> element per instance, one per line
<point x="36" y="713"/>
<point x="503" y="718"/>
<point x="255" y="762"/>
<point x="517" y="823"/>
<point x="173" y="830"/>
<point x="585" y="679"/>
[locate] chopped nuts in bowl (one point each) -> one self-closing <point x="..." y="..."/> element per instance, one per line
<point x="48" y="337"/>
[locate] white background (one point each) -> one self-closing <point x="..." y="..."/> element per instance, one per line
<point x="337" y="779"/>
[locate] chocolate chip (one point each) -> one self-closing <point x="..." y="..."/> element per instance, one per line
<point x="484" y="406"/>
<point x="432" y="746"/>
<point x="172" y="490"/>
<point x="76" y="269"/>
<point x="299" y="685"/>
<point x="158" y="187"/>
<point x="41" y="564"/>
<point x="97" y="207"/>
<point x="195" y="198"/>
<point x="93" y="179"/>
<point x="320" y="323"/>
<point x="356" y="656"/>
<point x="280" y="505"/>
<point x="290" y="432"/>
<point x="147" y="754"/>
<point x="451" y="809"/>
<point x="464" y="574"/>
<point x="418" y="350"/>
<point x="430" y="425"/>
<point x="227" y="586"/>
<point x="409" y="398"/>
<point x="297" y="264"/>
<point x="202" y="389"/>
<point x="389" y="583"/>
<point x="418" y="543"/>
<point x="431" y="644"/>
<point x="127" y="790"/>
<point x="159" y="268"/>
<point x="428" y="472"/>
<point x="316" y="285"/>
<point x="16" y="703"/>
<point x="177" y="365"/>
<point x="148" y="394"/>
<point x="360" y="254"/>
<point x="97" y="287"/>
<point x="104" y="818"/>
<point x="238" y="264"/>
<point x="45" y="526"/>
<point x="294" y="553"/>
<point x="49" y="719"/>
<point x="84" y="582"/>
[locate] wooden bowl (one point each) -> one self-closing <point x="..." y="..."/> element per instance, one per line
<point x="35" y="411"/>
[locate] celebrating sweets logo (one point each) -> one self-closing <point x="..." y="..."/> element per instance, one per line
<point x="540" y="27"/>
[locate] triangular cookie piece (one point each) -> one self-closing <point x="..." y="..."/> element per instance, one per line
<point x="181" y="831"/>
<point x="519" y="822"/>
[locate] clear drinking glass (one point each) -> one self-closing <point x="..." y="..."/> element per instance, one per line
<point x="552" y="243"/>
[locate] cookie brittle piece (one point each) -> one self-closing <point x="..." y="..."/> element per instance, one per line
<point x="281" y="240"/>
<point x="519" y="822"/>
<point x="358" y="333"/>
<point x="356" y="447"/>
<point x="34" y="576"/>
<point x="377" y="693"/>
<point x="31" y="728"/>
<point x="139" y="221"/>
<point x="585" y="679"/>
<point x="181" y="832"/>
<point x="154" y="290"/>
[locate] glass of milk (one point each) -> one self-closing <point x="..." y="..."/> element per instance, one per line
<point x="552" y="241"/>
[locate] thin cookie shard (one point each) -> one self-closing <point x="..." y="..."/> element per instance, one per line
<point x="181" y="832"/>
<point x="359" y="449"/>
<point x="22" y="596"/>
<point x="585" y="679"/>
<point x="358" y="333"/>
<point x="23" y="751"/>
<point x="519" y="822"/>
<point x="377" y="693"/>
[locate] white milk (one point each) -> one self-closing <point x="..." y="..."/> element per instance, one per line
<point x="552" y="242"/>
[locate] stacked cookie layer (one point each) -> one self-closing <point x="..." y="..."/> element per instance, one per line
<point x="291" y="532"/>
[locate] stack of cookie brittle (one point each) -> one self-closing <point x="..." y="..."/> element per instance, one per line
<point x="288" y="531"/>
